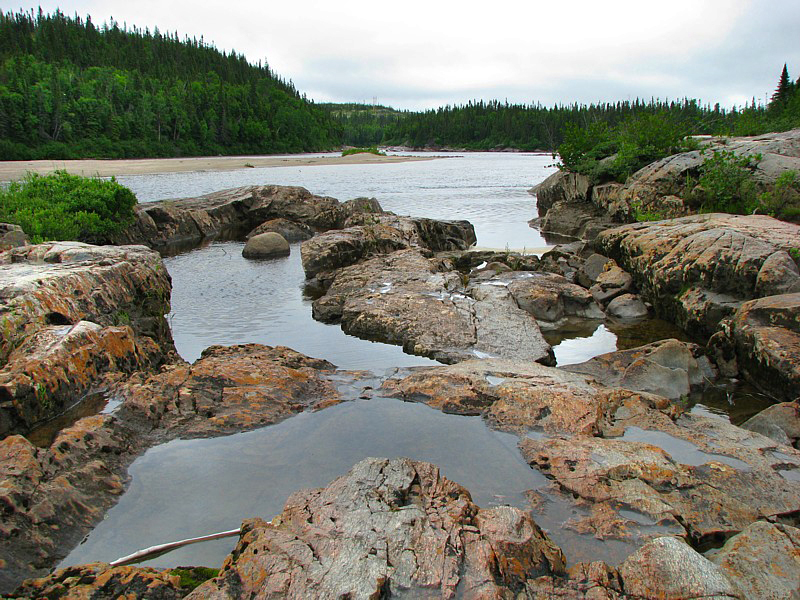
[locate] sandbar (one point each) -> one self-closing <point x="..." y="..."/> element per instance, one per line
<point x="13" y="170"/>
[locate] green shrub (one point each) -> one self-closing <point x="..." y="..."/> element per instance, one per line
<point x="371" y="150"/>
<point x="60" y="206"/>
<point x="783" y="200"/>
<point x="726" y="183"/>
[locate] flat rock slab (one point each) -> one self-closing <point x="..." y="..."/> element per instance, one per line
<point x="387" y="528"/>
<point x="408" y="299"/>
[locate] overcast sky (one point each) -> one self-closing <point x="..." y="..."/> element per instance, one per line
<point x="421" y="54"/>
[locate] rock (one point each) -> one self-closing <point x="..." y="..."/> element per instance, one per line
<point x="71" y="314"/>
<point x="582" y="220"/>
<point x="387" y="528"/>
<point x="561" y="186"/>
<point x="56" y="366"/>
<point x="552" y="298"/>
<point x="765" y="336"/>
<point x="266" y="245"/>
<point x="697" y="270"/>
<point x="382" y="234"/>
<point x="517" y="397"/>
<point x="627" y="306"/>
<point x="291" y="231"/>
<point x="361" y="206"/>
<point x="669" y="368"/>
<point x="229" y="389"/>
<point x="611" y="283"/>
<point x="99" y="580"/>
<point x="591" y="269"/>
<point x="778" y="275"/>
<point x="186" y="222"/>
<point x="51" y="497"/>
<point x="404" y="298"/>
<point x="12" y="236"/>
<point x="763" y="561"/>
<point x="780" y="422"/>
<point x="668" y="568"/>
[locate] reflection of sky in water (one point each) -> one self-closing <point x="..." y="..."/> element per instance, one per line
<point x="577" y="350"/>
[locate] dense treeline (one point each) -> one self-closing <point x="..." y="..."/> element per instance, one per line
<point x="363" y="124"/>
<point x="491" y="125"/>
<point x="70" y="89"/>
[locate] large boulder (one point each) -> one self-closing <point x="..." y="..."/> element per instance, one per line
<point x="72" y="313"/>
<point x="12" y="236"/>
<point x="266" y="245"/>
<point x="699" y="269"/>
<point x="388" y="528"/>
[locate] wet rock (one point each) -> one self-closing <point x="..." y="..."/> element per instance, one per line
<point x="404" y="298"/>
<point x="585" y="581"/>
<point x="51" y="497"/>
<point x="669" y="568"/>
<point x="98" y="580"/>
<point x="669" y="368"/>
<point x="765" y="336"/>
<point x="56" y="366"/>
<point x="697" y="270"/>
<point x="266" y="245"/>
<point x="552" y="298"/>
<point x="188" y="221"/>
<point x="780" y="422"/>
<point x="517" y="396"/>
<point x="611" y="283"/>
<point x="49" y="358"/>
<point x="382" y="234"/>
<point x="229" y="389"/>
<point x="626" y="307"/>
<point x="291" y="231"/>
<point x="763" y="561"/>
<point x="388" y="527"/>
<point x="12" y="236"/>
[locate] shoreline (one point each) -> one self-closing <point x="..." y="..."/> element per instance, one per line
<point x="13" y="170"/>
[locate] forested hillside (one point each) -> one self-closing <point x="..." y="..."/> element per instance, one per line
<point x="363" y="124"/>
<point x="71" y="89"/>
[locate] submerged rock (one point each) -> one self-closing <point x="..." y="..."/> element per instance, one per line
<point x="387" y="528"/>
<point x="266" y="245"/>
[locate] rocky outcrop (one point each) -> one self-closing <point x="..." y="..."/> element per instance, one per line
<point x="370" y="234"/>
<point x="780" y="422"/>
<point x="389" y="528"/>
<point x="188" y="221"/>
<point x="266" y="245"/>
<point x="51" y="497"/>
<point x="698" y="270"/>
<point x="551" y="299"/>
<point x="71" y="314"/>
<point x="408" y="299"/>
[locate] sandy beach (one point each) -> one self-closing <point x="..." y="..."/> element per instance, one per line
<point x="12" y="170"/>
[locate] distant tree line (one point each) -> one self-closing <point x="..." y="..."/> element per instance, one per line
<point x="363" y="125"/>
<point x="71" y="89"/>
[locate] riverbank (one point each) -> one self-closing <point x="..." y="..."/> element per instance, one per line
<point x="12" y="170"/>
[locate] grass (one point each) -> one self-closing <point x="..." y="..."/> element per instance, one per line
<point x="371" y="150"/>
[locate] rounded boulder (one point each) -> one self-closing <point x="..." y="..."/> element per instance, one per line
<point x="266" y="245"/>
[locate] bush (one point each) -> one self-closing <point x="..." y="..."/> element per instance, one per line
<point x="726" y="184"/>
<point x="67" y="207"/>
<point x="783" y="200"/>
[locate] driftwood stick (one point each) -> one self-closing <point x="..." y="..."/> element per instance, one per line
<point x="163" y="548"/>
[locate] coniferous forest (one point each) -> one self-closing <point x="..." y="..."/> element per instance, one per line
<point x="72" y="89"/>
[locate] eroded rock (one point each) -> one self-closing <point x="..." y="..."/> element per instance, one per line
<point x="290" y="230"/>
<point x="387" y="528"/>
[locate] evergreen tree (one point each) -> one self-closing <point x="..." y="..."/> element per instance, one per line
<point x="784" y="90"/>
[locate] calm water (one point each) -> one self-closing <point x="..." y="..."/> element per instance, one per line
<point x="192" y="487"/>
